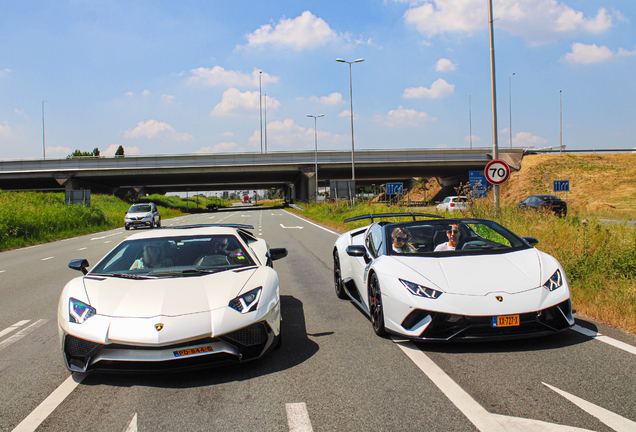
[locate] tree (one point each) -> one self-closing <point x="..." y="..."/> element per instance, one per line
<point x="120" y="151"/>
<point x="96" y="152"/>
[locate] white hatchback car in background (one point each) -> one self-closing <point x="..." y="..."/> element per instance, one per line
<point x="142" y="215"/>
<point x="453" y="203"/>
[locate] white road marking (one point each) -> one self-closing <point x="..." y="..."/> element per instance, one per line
<point x="485" y="421"/>
<point x="298" y="417"/>
<point x="82" y="248"/>
<point x="616" y="422"/>
<point x="608" y="340"/>
<point x="38" y="415"/>
<point x="2" y="271"/>
<point x="22" y="333"/>
<point x="107" y="241"/>
<point x="98" y="238"/>
<point x="13" y="327"/>
<point x="296" y="227"/>
<point x="132" y="427"/>
<point x="47" y="258"/>
<point x="309" y="222"/>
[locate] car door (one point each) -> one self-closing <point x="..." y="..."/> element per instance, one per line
<point x="373" y="242"/>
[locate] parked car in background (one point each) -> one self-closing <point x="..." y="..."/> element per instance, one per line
<point x="142" y="215"/>
<point x="453" y="203"/>
<point x="546" y="202"/>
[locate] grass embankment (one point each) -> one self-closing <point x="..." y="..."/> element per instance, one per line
<point x="28" y="218"/>
<point x="599" y="259"/>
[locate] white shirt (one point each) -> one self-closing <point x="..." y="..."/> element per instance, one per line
<point x="444" y="247"/>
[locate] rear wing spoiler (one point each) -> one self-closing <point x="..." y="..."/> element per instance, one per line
<point x="388" y="215"/>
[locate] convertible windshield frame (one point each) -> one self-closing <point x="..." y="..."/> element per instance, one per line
<point x="177" y="256"/>
<point x="477" y="237"/>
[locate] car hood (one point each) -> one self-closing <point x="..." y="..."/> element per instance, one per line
<point x="143" y="298"/>
<point x="512" y="272"/>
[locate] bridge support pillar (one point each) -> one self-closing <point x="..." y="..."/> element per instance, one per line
<point x="304" y="187"/>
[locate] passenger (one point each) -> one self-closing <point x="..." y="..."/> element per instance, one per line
<point x="401" y="237"/>
<point x="218" y="245"/>
<point x="153" y="256"/>
<point x="453" y="239"/>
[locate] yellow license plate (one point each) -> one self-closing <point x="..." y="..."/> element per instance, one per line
<point x="191" y="351"/>
<point x="505" y="321"/>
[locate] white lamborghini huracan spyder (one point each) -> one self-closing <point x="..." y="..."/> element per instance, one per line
<point x="451" y="279"/>
<point x="173" y="298"/>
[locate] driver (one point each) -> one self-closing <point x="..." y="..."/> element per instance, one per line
<point x="453" y="235"/>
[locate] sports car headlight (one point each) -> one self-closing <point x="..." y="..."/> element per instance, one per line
<point x="555" y="281"/>
<point x="247" y="302"/>
<point x="420" y="290"/>
<point x="78" y="311"/>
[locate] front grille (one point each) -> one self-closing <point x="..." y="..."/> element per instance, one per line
<point x="76" y="347"/>
<point x="255" y="334"/>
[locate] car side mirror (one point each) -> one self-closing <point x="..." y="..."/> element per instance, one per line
<point x="276" y="253"/>
<point x="356" y="250"/>
<point x="79" y="264"/>
<point x="532" y="241"/>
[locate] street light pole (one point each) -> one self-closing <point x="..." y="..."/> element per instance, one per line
<point x="43" y="135"/>
<point x="470" y="124"/>
<point x="316" y="148"/>
<point x="560" y="124"/>
<point x="353" y="170"/>
<point x="260" y="105"/>
<point x="510" y="108"/>
<point x="265" y="123"/>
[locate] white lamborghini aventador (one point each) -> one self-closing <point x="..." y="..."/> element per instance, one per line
<point x="451" y="279"/>
<point x="173" y="298"/>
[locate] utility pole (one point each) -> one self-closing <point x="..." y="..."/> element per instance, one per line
<point x="495" y="144"/>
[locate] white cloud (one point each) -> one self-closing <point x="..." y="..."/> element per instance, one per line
<point x="402" y="118"/>
<point x="303" y="32"/>
<point x="536" y="21"/>
<point x="345" y="113"/>
<point x="332" y="99"/>
<point x="146" y="93"/>
<point x="439" y="89"/>
<point x="224" y="147"/>
<point x="128" y="150"/>
<point x="4" y="71"/>
<point x="227" y="134"/>
<point x="282" y="134"/>
<point x="58" y="151"/>
<point x="154" y="129"/>
<point x="624" y="52"/>
<point x="167" y="99"/>
<point x="526" y="139"/>
<point x="234" y="102"/>
<point x="445" y="65"/>
<point x="20" y="113"/>
<point x="582" y="53"/>
<point x="128" y="94"/>
<point x="475" y="139"/>
<point x="219" y="76"/>
<point x="5" y="130"/>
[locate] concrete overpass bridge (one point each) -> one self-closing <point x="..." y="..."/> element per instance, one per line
<point x="292" y="171"/>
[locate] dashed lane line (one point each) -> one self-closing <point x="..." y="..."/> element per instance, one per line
<point x="606" y="339"/>
<point x="13" y="327"/>
<point x="22" y="333"/>
<point x="298" y="417"/>
<point x="47" y="258"/>
<point x="37" y="416"/>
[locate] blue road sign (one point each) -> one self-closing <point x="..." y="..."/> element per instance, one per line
<point x="478" y="184"/>
<point x="394" y="188"/>
<point x="561" y="186"/>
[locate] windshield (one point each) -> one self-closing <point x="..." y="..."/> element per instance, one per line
<point x="174" y="256"/>
<point x="140" y="208"/>
<point x="451" y="237"/>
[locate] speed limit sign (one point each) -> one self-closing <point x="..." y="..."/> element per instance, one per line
<point x="497" y="172"/>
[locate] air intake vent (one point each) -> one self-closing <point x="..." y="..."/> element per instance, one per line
<point x="253" y="335"/>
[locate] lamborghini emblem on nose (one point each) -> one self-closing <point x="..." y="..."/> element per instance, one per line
<point x="159" y="326"/>
<point x="499" y="299"/>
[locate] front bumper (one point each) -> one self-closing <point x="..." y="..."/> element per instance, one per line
<point x="248" y="343"/>
<point x="426" y="325"/>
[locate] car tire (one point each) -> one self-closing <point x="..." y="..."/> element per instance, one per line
<point x="337" y="278"/>
<point x="376" y="310"/>
<point x="126" y="227"/>
<point x="159" y="223"/>
<point x="152" y="224"/>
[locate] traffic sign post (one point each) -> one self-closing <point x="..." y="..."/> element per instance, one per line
<point x="477" y="183"/>
<point x="497" y="172"/>
<point x="394" y="188"/>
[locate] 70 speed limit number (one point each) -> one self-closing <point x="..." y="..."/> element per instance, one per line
<point x="497" y="172"/>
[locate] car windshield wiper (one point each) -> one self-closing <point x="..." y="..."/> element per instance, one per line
<point x="122" y="275"/>
<point x="186" y="272"/>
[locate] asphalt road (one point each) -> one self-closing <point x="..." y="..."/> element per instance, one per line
<point x="331" y="373"/>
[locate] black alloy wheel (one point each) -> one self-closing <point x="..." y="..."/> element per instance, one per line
<point x="375" y="306"/>
<point x="337" y="278"/>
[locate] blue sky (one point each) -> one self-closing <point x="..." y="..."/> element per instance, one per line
<point x="167" y="77"/>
